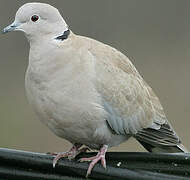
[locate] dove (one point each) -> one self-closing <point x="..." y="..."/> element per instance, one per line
<point x="87" y="92"/>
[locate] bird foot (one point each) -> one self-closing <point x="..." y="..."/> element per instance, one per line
<point x="71" y="154"/>
<point x="99" y="157"/>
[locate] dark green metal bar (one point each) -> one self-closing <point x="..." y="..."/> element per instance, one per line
<point x="120" y="165"/>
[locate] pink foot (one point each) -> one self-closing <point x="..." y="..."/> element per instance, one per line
<point x="71" y="154"/>
<point x="100" y="156"/>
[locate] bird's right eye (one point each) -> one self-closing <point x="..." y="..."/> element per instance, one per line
<point x="34" y="18"/>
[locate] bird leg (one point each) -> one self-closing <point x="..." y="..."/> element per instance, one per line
<point x="100" y="156"/>
<point x="71" y="154"/>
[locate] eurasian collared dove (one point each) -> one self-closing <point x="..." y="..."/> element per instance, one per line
<point x="88" y="92"/>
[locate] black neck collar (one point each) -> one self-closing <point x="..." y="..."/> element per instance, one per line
<point x="64" y="36"/>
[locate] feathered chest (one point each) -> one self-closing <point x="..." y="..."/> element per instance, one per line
<point x="56" y="92"/>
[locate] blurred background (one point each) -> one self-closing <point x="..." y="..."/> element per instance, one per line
<point x="155" y="35"/>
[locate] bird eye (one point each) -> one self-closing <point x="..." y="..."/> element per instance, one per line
<point x="34" y="18"/>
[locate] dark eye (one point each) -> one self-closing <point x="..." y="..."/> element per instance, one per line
<point x="34" y="18"/>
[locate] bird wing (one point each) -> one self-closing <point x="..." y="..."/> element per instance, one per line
<point x="131" y="105"/>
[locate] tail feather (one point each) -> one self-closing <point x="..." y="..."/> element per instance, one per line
<point x="163" y="139"/>
<point x="182" y="148"/>
<point x="164" y="149"/>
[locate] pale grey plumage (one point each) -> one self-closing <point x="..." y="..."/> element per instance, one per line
<point x="88" y="92"/>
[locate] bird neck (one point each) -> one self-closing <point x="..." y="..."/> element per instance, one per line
<point x="64" y="36"/>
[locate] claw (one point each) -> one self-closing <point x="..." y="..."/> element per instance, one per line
<point x="103" y="162"/>
<point x="59" y="156"/>
<point x="100" y="156"/>
<point x="75" y="150"/>
<point x="71" y="154"/>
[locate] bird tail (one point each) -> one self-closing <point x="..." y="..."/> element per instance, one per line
<point x="164" y="149"/>
<point x="182" y="148"/>
<point x="163" y="139"/>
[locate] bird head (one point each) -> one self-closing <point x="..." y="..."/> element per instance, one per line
<point x="38" y="20"/>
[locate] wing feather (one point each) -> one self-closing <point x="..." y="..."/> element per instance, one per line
<point x="129" y="101"/>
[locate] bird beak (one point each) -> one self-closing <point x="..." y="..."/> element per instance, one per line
<point x="11" y="27"/>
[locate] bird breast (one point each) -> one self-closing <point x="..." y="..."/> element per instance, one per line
<point x="65" y="99"/>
